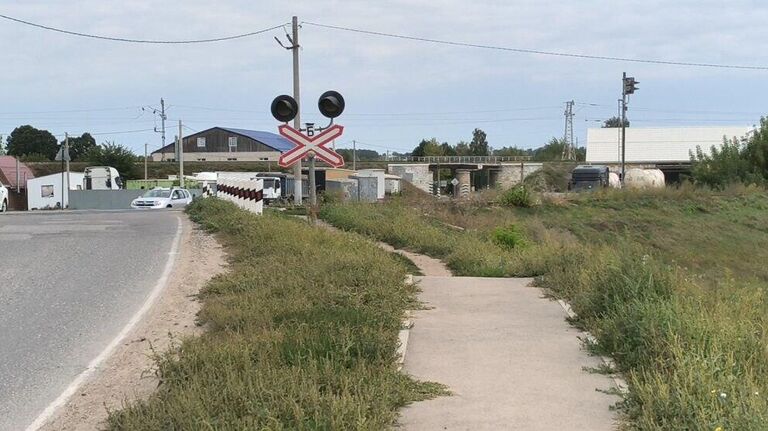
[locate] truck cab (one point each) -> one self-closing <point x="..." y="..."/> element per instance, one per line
<point x="102" y="178"/>
<point x="589" y="177"/>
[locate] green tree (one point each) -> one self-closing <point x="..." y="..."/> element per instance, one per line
<point x="462" y="149"/>
<point x="80" y="146"/>
<point x="511" y="151"/>
<point x="614" y="122"/>
<point x="27" y="140"/>
<point x="428" y="147"/>
<point x="116" y="156"/>
<point x="479" y="144"/>
<point x="742" y="160"/>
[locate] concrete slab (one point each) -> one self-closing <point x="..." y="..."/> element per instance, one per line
<point x="509" y="357"/>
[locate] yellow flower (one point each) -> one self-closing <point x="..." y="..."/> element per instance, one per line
<point x="719" y="429"/>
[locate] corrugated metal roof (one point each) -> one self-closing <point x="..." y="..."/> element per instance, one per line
<point x="8" y="172"/>
<point x="267" y="138"/>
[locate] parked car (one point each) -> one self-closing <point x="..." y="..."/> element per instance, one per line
<point x="160" y="197"/>
<point x="3" y="198"/>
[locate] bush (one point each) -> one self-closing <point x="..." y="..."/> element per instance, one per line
<point x="509" y="237"/>
<point x="518" y="196"/>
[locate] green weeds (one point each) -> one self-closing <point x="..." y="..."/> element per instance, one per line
<point x="301" y="334"/>
<point x="672" y="283"/>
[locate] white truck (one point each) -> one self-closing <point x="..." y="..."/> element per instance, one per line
<point x="3" y="198"/>
<point x="102" y="178"/>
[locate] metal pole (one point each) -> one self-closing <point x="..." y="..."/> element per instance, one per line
<point x="623" y="125"/>
<point x="181" y="156"/>
<point x="66" y="151"/>
<point x="297" y="189"/>
<point x="354" y="155"/>
<point x="18" y="176"/>
<point x="145" y="161"/>
<point x="312" y="185"/>
<point x="162" y="122"/>
<point x="62" y="175"/>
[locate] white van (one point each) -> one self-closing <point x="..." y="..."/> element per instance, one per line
<point x="3" y="198"/>
<point x="102" y="178"/>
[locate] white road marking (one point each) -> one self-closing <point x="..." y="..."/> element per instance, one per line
<point x="49" y="411"/>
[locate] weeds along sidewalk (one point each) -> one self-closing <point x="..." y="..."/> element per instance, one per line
<point x="301" y="334"/>
<point x="693" y="350"/>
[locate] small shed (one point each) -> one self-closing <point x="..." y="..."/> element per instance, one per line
<point x="379" y="176"/>
<point x="46" y="192"/>
<point x="392" y="184"/>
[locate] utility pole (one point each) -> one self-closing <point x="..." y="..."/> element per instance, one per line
<point x="569" y="152"/>
<point x="181" y="156"/>
<point x="162" y="121"/>
<point x="145" y="161"/>
<point x="354" y="155"/>
<point x="66" y="153"/>
<point x="297" y="189"/>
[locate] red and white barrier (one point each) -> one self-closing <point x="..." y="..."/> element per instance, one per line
<point x="245" y="193"/>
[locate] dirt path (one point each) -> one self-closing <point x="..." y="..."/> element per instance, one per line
<point x="128" y="373"/>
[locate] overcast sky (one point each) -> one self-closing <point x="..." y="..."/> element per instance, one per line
<point x="397" y="91"/>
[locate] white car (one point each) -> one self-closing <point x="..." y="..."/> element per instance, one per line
<point x="163" y="198"/>
<point x="3" y="199"/>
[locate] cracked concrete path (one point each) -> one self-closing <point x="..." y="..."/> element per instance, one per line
<point x="509" y="357"/>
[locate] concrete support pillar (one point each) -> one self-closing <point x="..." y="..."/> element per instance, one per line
<point x="465" y="183"/>
<point x="493" y="178"/>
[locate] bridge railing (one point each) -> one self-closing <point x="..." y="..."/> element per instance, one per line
<point x="460" y="159"/>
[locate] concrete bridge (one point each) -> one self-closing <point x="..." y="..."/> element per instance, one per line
<point x="472" y="172"/>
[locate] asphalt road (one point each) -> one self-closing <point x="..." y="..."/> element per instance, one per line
<point x="69" y="282"/>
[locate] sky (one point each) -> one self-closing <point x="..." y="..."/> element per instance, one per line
<point x="397" y="91"/>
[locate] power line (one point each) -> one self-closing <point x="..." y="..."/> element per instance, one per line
<point x="148" y="41"/>
<point x="539" y="52"/>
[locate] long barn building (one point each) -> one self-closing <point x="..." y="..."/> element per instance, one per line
<point x="227" y="144"/>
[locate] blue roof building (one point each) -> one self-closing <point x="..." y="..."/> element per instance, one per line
<point x="226" y="143"/>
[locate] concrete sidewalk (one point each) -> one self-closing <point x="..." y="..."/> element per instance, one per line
<point x="509" y="357"/>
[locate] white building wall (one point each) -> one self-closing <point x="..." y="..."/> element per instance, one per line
<point x="46" y="192"/>
<point x="656" y="144"/>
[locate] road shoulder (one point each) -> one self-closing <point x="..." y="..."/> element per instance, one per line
<point x="128" y="374"/>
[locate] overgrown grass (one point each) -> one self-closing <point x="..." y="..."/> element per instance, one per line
<point x="301" y="334"/>
<point x="672" y="283"/>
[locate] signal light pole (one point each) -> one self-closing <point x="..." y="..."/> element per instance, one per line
<point x="628" y="86"/>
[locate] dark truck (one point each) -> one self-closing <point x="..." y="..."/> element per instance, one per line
<point x="588" y="177"/>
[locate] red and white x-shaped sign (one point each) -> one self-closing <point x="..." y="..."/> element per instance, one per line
<point x="316" y="144"/>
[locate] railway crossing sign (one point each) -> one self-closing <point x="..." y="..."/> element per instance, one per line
<point x="311" y="144"/>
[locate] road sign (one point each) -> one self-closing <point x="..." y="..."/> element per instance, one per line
<point x="455" y="182"/>
<point x="65" y="156"/>
<point x="316" y="144"/>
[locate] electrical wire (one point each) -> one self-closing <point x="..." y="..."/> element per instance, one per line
<point x="147" y="41"/>
<point x="536" y="51"/>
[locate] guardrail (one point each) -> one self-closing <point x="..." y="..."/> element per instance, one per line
<point x="461" y="159"/>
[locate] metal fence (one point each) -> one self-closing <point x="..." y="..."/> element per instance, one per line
<point x="460" y="159"/>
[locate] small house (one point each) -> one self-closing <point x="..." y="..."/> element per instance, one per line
<point x="48" y="192"/>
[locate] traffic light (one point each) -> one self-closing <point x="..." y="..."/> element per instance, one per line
<point x="284" y="108"/>
<point x="331" y="104"/>
<point x="630" y="85"/>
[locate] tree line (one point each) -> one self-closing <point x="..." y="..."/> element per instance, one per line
<point x="30" y="144"/>
<point x="479" y="146"/>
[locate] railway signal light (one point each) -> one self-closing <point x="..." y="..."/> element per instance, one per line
<point x="284" y="108"/>
<point x="630" y="85"/>
<point x="331" y="104"/>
